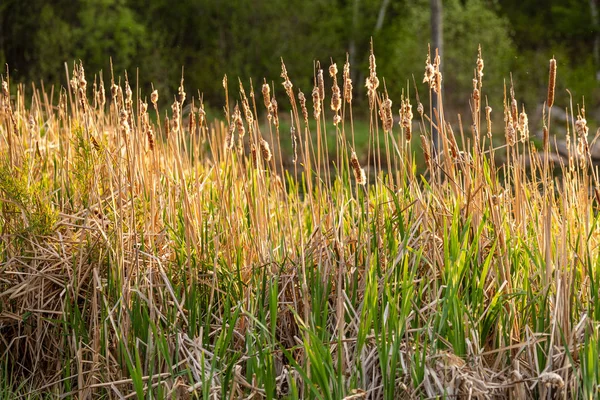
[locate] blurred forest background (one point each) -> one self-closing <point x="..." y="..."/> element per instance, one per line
<point x="247" y="38"/>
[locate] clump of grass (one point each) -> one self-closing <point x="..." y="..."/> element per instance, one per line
<point x="163" y="261"/>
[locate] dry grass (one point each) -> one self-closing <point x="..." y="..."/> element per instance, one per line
<point x="169" y="261"/>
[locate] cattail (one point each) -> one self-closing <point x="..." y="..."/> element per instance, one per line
<point x="154" y="97"/>
<point x="321" y="84"/>
<point x="143" y="107"/>
<point x="479" y="66"/>
<point x="372" y="63"/>
<point x="406" y="117"/>
<point x="385" y="113"/>
<point x="266" y="91"/>
<point x="181" y="92"/>
<point x="101" y="95"/>
<point x="239" y="122"/>
<point x="420" y="109"/>
<point x="247" y="112"/>
<point x="514" y="111"/>
<point x="552" y="379"/>
<point x="82" y="98"/>
<point x="302" y="100"/>
<point x="128" y="96"/>
<point x="287" y="84"/>
<point x="123" y="121"/>
<point x="437" y="78"/>
<point x="510" y="134"/>
<point x="347" y="83"/>
<point x="32" y="124"/>
<point x="333" y="70"/>
<point x="167" y="128"/>
<point x="225" y="82"/>
<point x="254" y="156"/>
<point x="546" y="136"/>
<point x="316" y="102"/>
<point x="336" y="99"/>
<point x="476" y="96"/>
<point x="201" y="116"/>
<point x="265" y="150"/>
<point x="359" y="173"/>
<point x="192" y="123"/>
<point x="488" y="119"/>
<point x="581" y="126"/>
<point x="372" y="81"/>
<point x="275" y="114"/>
<point x="523" y="125"/>
<point x="337" y="119"/>
<point x="426" y="153"/>
<point x="551" y="82"/>
<point x="150" y="136"/>
<point x="114" y="90"/>
<point x="429" y="72"/>
<point x="229" y="139"/>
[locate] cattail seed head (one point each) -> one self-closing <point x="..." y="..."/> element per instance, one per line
<point x="546" y="136"/>
<point x="239" y="122"/>
<point x="426" y="153"/>
<point x="347" y="83"/>
<point x="359" y="173"/>
<point x="154" y="97"/>
<point x="150" y="136"/>
<point x="406" y="117"/>
<point x="123" y="121"/>
<point x="275" y="114"/>
<point x="201" y="116"/>
<point x="265" y="150"/>
<point x="333" y="70"/>
<point x="551" y="82"/>
<point x="385" y="113"/>
<point x="316" y="102"/>
<point x="523" y="126"/>
<point x="514" y="111"/>
<point x="336" y="100"/>
<point x="253" y="156"/>
<point x="581" y="126"/>
<point x="321" y="84"/>
<point x="302" y="100"/>
<point x="488" y="114"/>
<point x="230" y="139"/>
<point x="266" y="91"/>
<point x="181" y="93"/>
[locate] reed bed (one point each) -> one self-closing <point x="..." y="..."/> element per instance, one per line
<point x="144" y="256"/>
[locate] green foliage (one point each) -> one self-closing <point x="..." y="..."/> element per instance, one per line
<point x="466" y="25"/>
<point x="25" y="209"/>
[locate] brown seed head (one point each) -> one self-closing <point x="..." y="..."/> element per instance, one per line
<point x="551" y="82"/>
<point x="302" y="100"/>
<point x="321" y="84"/>
<point x="316" y="102"/>
<point x="359" y="173"/>
<point x="266" y="91"/>
<point x="385" y="113"/>
<point x="265" y="150"/>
